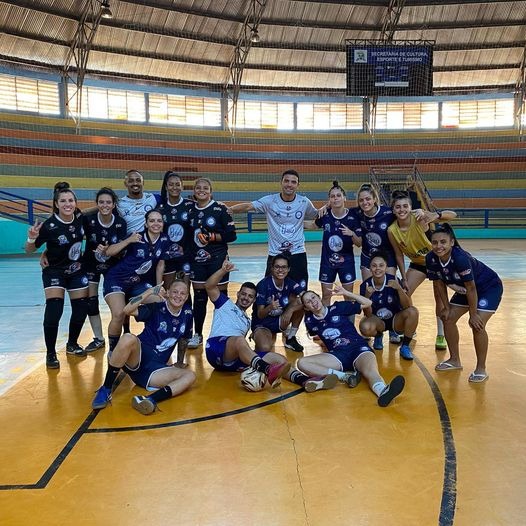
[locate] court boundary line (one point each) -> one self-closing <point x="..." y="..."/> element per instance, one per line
<point x="449" y="485"/>
<point x="448" y="499"/>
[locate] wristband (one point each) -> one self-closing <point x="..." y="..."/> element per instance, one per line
<point x="439" y="214"/>
<point x="29" y="240"/>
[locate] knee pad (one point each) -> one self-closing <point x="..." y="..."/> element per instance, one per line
<point x="53" y="312"/>
<point x="93" y="306"/>
<point x="79" y="310"/>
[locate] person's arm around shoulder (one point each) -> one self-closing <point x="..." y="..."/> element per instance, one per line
<point x="153" y="295"/>
<point x="399" y="256"/>
<point x="425" y="217"/>
<point x="116" y="248"/>
<point x="239" y="208"/>
<point x="212" y="283"/>
<point x="338" y="290"/>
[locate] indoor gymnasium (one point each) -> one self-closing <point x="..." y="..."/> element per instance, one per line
<point x="262" y="262"/>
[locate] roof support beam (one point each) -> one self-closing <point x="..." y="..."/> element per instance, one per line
<point x="249" y="34"/>
<point x="75" y="65"/>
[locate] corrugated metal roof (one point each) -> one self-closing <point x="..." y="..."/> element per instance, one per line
<point x="302" y="46"/>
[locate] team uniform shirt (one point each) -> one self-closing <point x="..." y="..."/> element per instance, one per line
<point x="374" y="234"/>
<point x="285" y="222"/>
<point x="412" y="242"/>
<point x="139" y="264"/>
<point x="460" y="268"/>
<point x="386" y="300"/>
<point x="63" y="243"/>
<point x="267" y="291"/>
<point x="162" y="329"/>
<point x="99" y="234"/>
<point x="335" y="329"/>
<point x="176" y="225"/>
<point x="229" y="319"/>
<point x="134" y="210"/>
<point x="213" y="218"/>
<point x="337" y="248"/>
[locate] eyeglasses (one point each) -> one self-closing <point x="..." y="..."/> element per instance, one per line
<point x="280" y="267"/>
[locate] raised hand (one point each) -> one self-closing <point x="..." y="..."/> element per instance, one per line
<point x="228" y="266"/>
<point x="34" y="230"/>
<point x="346" y="231"/>
<point x="135" y="237"/>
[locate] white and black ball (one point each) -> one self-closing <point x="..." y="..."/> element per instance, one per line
<point x="253" y="380"/>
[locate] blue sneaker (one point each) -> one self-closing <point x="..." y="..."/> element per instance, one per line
<point x="102" y="398"/>
<point x="378" y="343"/>
<point x="405" y="352"/>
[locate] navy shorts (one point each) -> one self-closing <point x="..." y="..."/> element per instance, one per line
<point x="270" y="322"/>
<point x="130" y="287"/>
<point x="346" y="274"/>
<point x="215" y="350"/>
<point x="488" y="300"/>
<point x="64" y="279"/>
<point x="148" y="364"/>
<point x="348" y="356"/>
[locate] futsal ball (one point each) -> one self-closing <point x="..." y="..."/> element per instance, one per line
<point x="253" y="380"/>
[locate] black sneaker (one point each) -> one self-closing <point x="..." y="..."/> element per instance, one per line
<point x="293" y="344"/>
<point x="52" y="361"/>
<point x="75" y="349"/>
<point x="95" y="345"/>
<point x="391" y="391"/>
<point x="353" y="379"/>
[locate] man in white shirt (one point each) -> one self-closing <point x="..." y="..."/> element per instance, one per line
<point x="134" y="206"/>
<point x="286" y="213"/>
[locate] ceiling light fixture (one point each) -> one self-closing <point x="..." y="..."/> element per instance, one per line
<point x="105" y="11"/>
<point x="254" y="36"/>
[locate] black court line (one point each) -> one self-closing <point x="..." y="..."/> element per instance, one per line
<point x="84" y="429"/>
<point x="449" y="487"/>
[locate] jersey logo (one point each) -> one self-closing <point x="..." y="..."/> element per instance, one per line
<point x="144" y="268"/>
<point x="175" y="232"/>
<point x="75" y="251"/>
<point x="331" y="334"/>
<point x="163" y="327"/>
<point x="210" y="221"/>
<point x="335" y="243"/>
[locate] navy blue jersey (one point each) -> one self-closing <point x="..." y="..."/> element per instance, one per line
<point x="213" y="218"/>
<point x="141" y="260"/>
<point x="386" y="301"/>
<point x="461" y="267"/>
<point x="162" y="329"/>
<point x="267" y="291"/>
<point x="335" y="329"/>
<point x="177" y="223"/>
<point x="63" y="242"/>
<point x="374" y="231"/>
<point x="99" y="234"/>
<point x="337" y="248"/>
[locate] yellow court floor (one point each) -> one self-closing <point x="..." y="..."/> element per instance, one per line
<point x="445" y="452"/>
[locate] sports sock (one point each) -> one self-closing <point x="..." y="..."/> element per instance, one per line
<point x="200" y="301"/>
<point x="79" y="311"/>
<point x="52" y="315"/>
<point x="440" y="327"/>
<point x="340" y="374"/>
<point x="259" y="364"/>
<point x="111" y="375"/>
<point x="378" y="388"/>
<point x="112" y="342"/>
<point x="162" y="394"/>
<point x="298" y="378"/>
<point x="406" y="340"/>
<point x="126" y="325"/>
<point x="292" y="332"/>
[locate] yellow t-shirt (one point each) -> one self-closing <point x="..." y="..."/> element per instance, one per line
<point x="413" y="242"/>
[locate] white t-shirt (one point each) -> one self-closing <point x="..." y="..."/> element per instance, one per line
<point x="285" y="222"/>
<point x="133" y="210"/>
<point x="229" y="319"/>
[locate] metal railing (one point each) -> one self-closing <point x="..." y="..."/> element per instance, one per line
<point x="19" y="208"/>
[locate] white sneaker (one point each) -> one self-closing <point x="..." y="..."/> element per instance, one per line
<point x="195" y="341"/>
<point x="317" y="383"/>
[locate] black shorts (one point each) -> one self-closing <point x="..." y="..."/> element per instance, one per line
<point x="298" y="269"/>
<point x="63" y="279"/>
<point x="200" y="273"/>
<point x="420" y="268"/>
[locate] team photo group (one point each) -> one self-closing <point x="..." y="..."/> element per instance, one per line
<point x="153" y="249"/>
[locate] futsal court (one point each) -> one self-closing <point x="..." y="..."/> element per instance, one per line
<point x="444" y="452"/>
